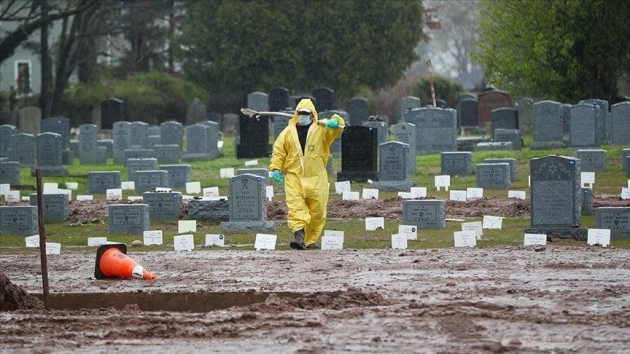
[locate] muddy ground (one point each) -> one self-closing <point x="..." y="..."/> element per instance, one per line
<point x="502" y="299"/>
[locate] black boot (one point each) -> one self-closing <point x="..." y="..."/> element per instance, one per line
<point x="298" y="244"/>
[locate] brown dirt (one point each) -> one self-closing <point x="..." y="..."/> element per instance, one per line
<point x="13" y="297"/>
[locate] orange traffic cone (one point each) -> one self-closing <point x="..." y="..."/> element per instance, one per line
<point x="112" y="262"/>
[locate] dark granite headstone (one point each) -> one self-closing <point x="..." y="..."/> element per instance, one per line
<point x="617" y="219"/>
<point x="210" y="210"/>
<point x="324" y="98"/>
<point x="468" y="115"/>
<point x="253" y="138"/>
<point x="425" y="214"/>
<point x="406" y="133"/>
<point x="279" y="99"/>
<point x="358" y="154"/>
<point x="112" y="110"/>
<point x="493" y="175"/>
<point x="10" y="172"/>
<point x="148" y="181"/>
<point x="585" y="130"/>
<point x="456" y="163"/>
<point x="164" y="206"/>
<point x="247" y="205"/>
<point x="335" y="148"/>
<point x="100" y="181"/>
<point x="504" y="118"/>
<point x="178" y="175"/>
<point x="18" y="220"/>
<point x="122" y="140"/>
<point x="49" y="157"/>
<point x="88" y="144"/>
<point x="592" y="160"/>
<point x="23" y="149"/>
<point x="587" y="201"/>
<point x="548" y="125"/>
<point x="128" y="218"/>
<point x="6" y="135"/>
<point x="143" y="164"/>
<point x="56" y="206"/>
<point x="620" y="117"/>
<point x="603" y="117"/>
<point x="59" y="125"/>
<point x="393" y="171"/>
<point x="436" y="129"/>
<point x="625" y="161"/>
<point x="358" y="111"/>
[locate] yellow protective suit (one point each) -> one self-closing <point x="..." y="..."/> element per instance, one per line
<point x="306" y="178"/>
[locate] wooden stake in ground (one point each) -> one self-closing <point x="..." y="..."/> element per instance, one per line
<point x="42" y="237"/>
<point x="431" y="82"/>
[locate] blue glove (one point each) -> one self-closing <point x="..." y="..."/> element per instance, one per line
<point x="332" y="123"/>
<point x="277" y="177"/>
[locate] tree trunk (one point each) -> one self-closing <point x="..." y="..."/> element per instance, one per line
<point x="46" y="70"/>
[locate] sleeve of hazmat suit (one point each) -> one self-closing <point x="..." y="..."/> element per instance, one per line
<point x="306" y="178"/>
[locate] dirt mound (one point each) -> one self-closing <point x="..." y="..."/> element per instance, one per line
<point x="13" y="297"/>
<point x="353" y="297"/>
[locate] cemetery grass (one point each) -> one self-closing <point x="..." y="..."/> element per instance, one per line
<point x="73" y="235"/>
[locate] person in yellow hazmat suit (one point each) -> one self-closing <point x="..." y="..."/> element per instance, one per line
<point x="300" y="153"/>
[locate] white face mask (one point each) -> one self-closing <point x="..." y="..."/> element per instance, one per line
<point x="304" y="120"/>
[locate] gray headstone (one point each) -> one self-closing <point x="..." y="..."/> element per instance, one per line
<point x="604" y="118"/>
<point x="585" y="130"/>
<point x="178" y="175"/>
<point x="136" y="154"/>
<point x="393" y="167"/>
<point x="556" y="197"/>
<point x="153" y="140"/>
<point x="358" y="111"/>
<point x="456" y="163"/>
<point x="10" y="172"/>
<point x="358" y="154"/>
<point x="247" y="205"/>
<point x="100" y="181"/>
<point x="425" y="214"/>
<point x="258" y="101"/>
<point x="148" y="181"/>
<point x="101" y="155"/>
<point x="279" y="99"/>
<point x="436" y="129"/>
<point x="198" y="142"/>
<point x="625" y="154"/>
<point x="548" y="125"/>
<point x="617" y="219"/>
<point x="593" y="160"/>
<point x="167" y="154"/>
<point x="213" y="138"/>
<point x="49" y="155"/>
<point x="172" y="133"/>
<point x="512" y="135"/>
<point x="324" y="99"/>
<point x="406" y="133"/>
<point x="504" y="118"/>
<point x="30" y="120"/>
<point x="196" y="112"/>
<point x="279" y="123"/>
<point x="511" y="161"/>
<point x="88" y="143"/>
<point x="406" y="104"/>
<point x="490" y="100"/>
<point x="56" y="206"/>
<point x="620" y="117"/>
<point x="153" y="130"/>
<point x="112" y="110"/>
<point x="108" y="144"/>
<point x="139" y="134"/>
<point x="231" y="123"/>
<point x="6" y="136"/>
<point x="210" y="210"/>
<point x="23" y="149"/>
<point x="122" y="141"/>
<point x="525" y="109"/>
<point x="381" y="128"/>
<point x="67" y="157"/>
<point x="262" y="172"/>
<point x="74" y="146"/>
<point x="468" y="115"/>
<point x="493" y="175"/>
<point x="18" y="220"/>
<point x="128" y="218"/>
<point x="164" y="206"/>
<point x="587" y="201"/>
<point x="142" y="164"/>
<point x="59" y="125"/>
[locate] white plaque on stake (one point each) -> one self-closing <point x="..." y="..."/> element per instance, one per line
<point x="350" y="196"/>
<point x="186" y="226"/>
<point x="265" y="242"/>
<point x="372" y="224"/>
<point x="465" y="239"/>
<point x="215" y="240"/>
<point x="474" y="193"/>
<point x="419" y="192"/>
<point x="211" y="192"/>
<point x="411" y="231"/>
<point x="269" y="192"/>
<point x="134" y="198"/>
<point x="12" y="196"/>
<point x="370" y="193"/>
<point x="220" y="144"/>
<point x="535" y="239"/>
<point x="72" y="185"/>
<point x="184" y="242"/>
<point x="588" y="178"/>
<point x="492" y="222"/>
<point x="598" y="237"/>
<point x="473" y="226"/>
<point x="82" y="197"/>
<point x="399" y="241"/>
<point x="26" y="199"/>
<point x="32" y="241"/>
<point x="227" y="172"/>
<point x="517" y="194"/>
<point x="341" y="187"/>
<point x="629" y="183"/>
<point x="251" y="163"/>
<point x="114" y="193"/>
<point x="4" y="188"/>
<point x="625" y="193"/>
<point x="442" y="181"/>
<point x="127" y="185"/>
<point x="193" y="187"/>
<point x="152" y="237"/>
<point x="53" y="248"/>
<point x="96" y="241"/>
<point x="332" y="240"/>
<point x="50" y="187"/>
<point x="458" y="196"/>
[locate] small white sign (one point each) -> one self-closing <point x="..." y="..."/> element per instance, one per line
<point x="598" y="237"/>
<point x="134" y="198"/>
<point x="372" y="224"/>
<point x="332" y="241"/>
<point x="341" y="187"/>
<point x="152" y="237"/>
<point x="193" y="187"/>
<point x="629" y="183"/>
<point x="588" y="178"/>
<point x="26" y="199"/>
<point x="50" y="188"/>
<point x="465" y="239"/>
<point x="625" y="193"/>
<point x="128" y="185"/>
<point x="72" y="185"/>
<point x="458" y="196"/>
<point x="529" y="181"/>
<point x="350" y="195"/>
<point x="215" y="240"/>
<point x="265" y="242"/>
<point x="411" y="231"/>
<point x="96" y="241"/>
<point x="4" y="188"/>
<point x="492" y="222"/>
<point x="113" y="194"/>
<point x="12" y="196"/>
<point x="405" y="195"/>
<point x="187" y="197"/>
<point x="220" y="144"/>
<point x="442" y="181"/>
<point x="83" y="197"/>
<point x="251" y="163"/>
<point x="535" y="239"/>
<point x="473" y="226"/>
<point x="517" y="194"/>
<point x="227" y="172"/>
<point x="419" y="192"/>
<point x="211" y="192"/>
<point x="184" y="242"/>
<point x="370" y="193"/>
<point x="269" y="192"/>
<point x="163" y="190"/>
<point x="186" y="226"/>
<point x="32" y="241"/>
<point x="53" y="248"/>
<point x="474" y="193"/>
<point x="399" y="241"/>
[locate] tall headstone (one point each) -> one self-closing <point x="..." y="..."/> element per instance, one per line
<point x="585" y="130"/>
<point x="247" y="206"/>
<point x="128" y="218"/>
<point x="358" y="110"/>
<point x="490" y="100"/>
<point x="592" y="160"/>
<point x="279" y="123"/>
<point x="253" y="138"/>
<point x="504" y="118"/>
<point x="10" y="172"/>
<point x="23" y="149"/>
<point x="88" y="144"/>
<point x="404" y="105"/>
<point x="493" y="175"/>
<point x="547" y="125"/>
<point x="468" y="115"/>
<point x="122" y="140"/>
<point x="556" y="197"/>
<point x="436" y="129"/>
<point x="164" y="206"/>
<point x="197" y="143"/>
<point x="172" y="133"/>
<point x="139" y="134"/>
<point x="358" y="154"/>
<point x="603" y="116"/>
<point x="178" y="175"/>
<point x="100" y="181"/>
<point x="393" y="171"/>
<point x="616" y="219"/>
<point x="425" y="214"/>
<point x="6" y="137"/>
<point x="324" y="99"/>
<point x="112" y="110"/>
<point x="620" y="117"/>
<point x="456" y="163"/>
<point x="406" y="133"/>
<point x="56" y="206"/>
<point x="525" y="108"/>
<point x="30" y="120"/>
<point x="625" y="161"/>
<point x="279" y="99"/>
<point x="213" y="139"/>
<point x="196" y="112"/>
<point x="18" y="220"/>
<point x="381" y="128"/>
<point x="49" y="157"/>
<point x="59" y="125"/>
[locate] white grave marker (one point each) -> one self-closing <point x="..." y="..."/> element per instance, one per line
<point x="473" y="226"/>
<point x="442" y="181"/>
<point x="341" y="187"/>
<point x="465" y="238"/>
<point x="399" y="241"/>
<point x="12" y="196"/>
<point x="96" y="241"/>
<point x="492" y="222"/>
<point x="535" y="239"/>
<point x="411" y="231"/>
<point x="372" y="224"/>
<point x="517" y="194"/>
<point x="251" y="163"/>
<point x="419" y="192"/>
<point x="474" y="193"/>
<point x="332" y="240"/>
<point x="4" y="188"/>
<point x="128" y="185"/>
<point x="265" y="242"/>
<point x="215" y="240"/>
<point x="227" y="172"/>
<point x="370" y="193"/>
<point x="458" y="196"/>
<point x="72" y="185"/>
<point x="269" y="192"/>
<point x="193" y="187"/>
<point x="211" y="192"/>
<point x="50" y="188"/>
<point x="350" y="195"/>
<point x="53" y="248"/>
<point x="26" y="199"/>
<point x="598" y="237"/>
<point x="588" y="178"/>
<point x="32" y="241"/>
<point x="625" y="193"/>
<point x="114" y="193"/>
<point x="134" y="198"/>
<point x="220" y="144"/>
<point x="152" y="237"/>
<point x="186" y="226"/>
<point x="184" y="242"/>
<point x="84" y="197"/>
